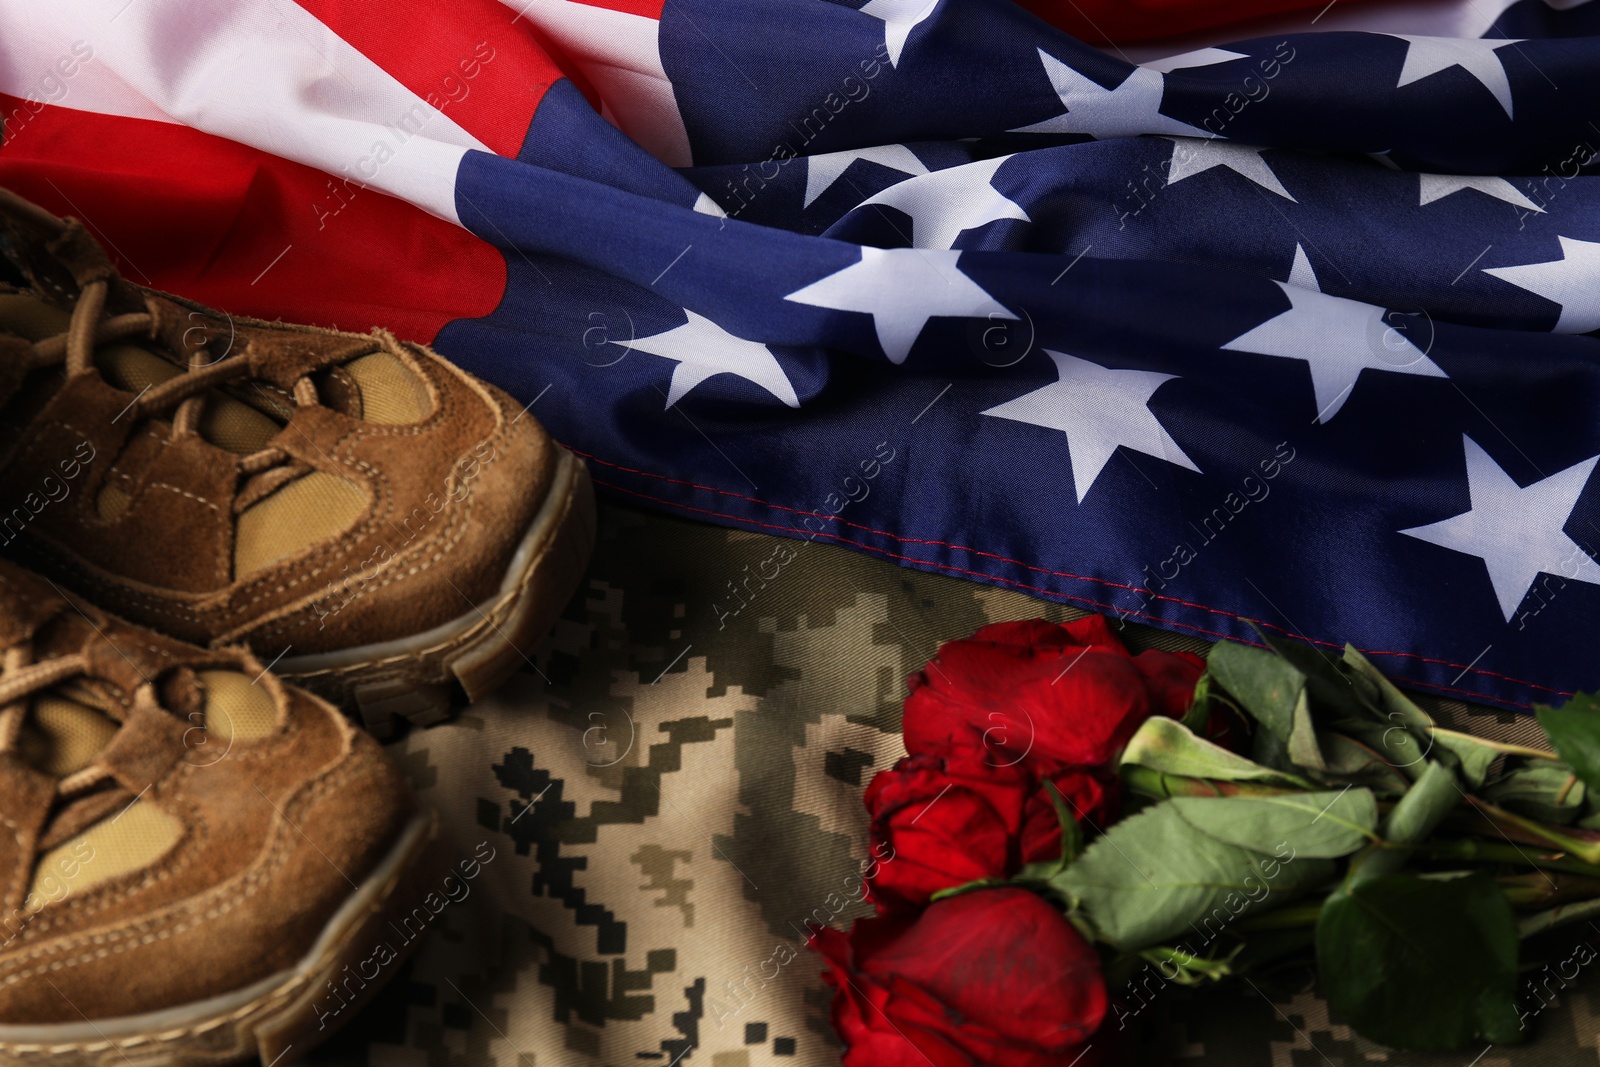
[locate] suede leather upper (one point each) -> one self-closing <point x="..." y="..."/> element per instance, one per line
<point x="443" y="500"/>
<point x="273" y="831"/>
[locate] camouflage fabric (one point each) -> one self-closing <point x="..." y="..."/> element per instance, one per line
<point x="672" y="788"/>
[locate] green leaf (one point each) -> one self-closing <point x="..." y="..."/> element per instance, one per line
<point x="1472" y="759"/>
<point x="1421" y="963"/>
<point x="1349" y="759"/>
<point x="1303" y="748"/>
<point x="1424" y="805"/>
<point x="1152" y="877"/>
<point x="1574" y="732"/>
<point x="1391" y="704"/>
<point x="1200" y="709"/>
<point x="1272" y="689"/>
<point x="1146" y="783"/>
<point x="1473" y="756"/>
<point x="1408" y="736"/>
<point x="1166" y="745"/>
<point x="1266" y="686"/>
<point x="1329" y="687"/>
<point x="1267" y="750"/>
<point x="1320" y="825"/>
<point x="1395" y="744"/>
<point x="1548" y="792"/>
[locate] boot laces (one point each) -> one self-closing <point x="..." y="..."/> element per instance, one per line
<point x="183" y="395"/>
<point x="21" y="680"/>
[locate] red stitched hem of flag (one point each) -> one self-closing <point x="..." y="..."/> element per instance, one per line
<point x="1466" y="668"/>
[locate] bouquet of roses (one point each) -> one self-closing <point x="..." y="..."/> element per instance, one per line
<point x="1069" y="813"/>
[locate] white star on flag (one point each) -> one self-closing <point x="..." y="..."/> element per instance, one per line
<point x="702" y="349"/>
<point x="1300" y="272"/>
<point x="1132" y="108"/>
<point x="707" y="206"/>
<point x="902" y="288"/>
<point x="1433" y="187"/>
<point x="1338" y="339"/>
<point x="825" y="169"/>
<point x="899" y="17"/>
<point x="1196" y="155"/>
<point x="1429" y="55"/>
<point x="1099" y="409"/>
<point x="1200" y="57"/>
<point x="1516" y="530"/>
<point x="1573" y="281"/>
<point x="946" y="202"/>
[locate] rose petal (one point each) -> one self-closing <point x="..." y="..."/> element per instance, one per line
<point x="1171" y="677"/>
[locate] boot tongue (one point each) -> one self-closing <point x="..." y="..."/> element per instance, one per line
<point x="98" y="829"/>
<point x="68" y="725"/>
<point x="28" y="317"/>
<point x="65" y="729"/>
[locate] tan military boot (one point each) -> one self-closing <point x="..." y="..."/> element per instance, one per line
<point x="197" y="857"/>
<point x="376" y="523"/>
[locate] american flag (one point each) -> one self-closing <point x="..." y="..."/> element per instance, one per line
<point x="1291" y="332"/>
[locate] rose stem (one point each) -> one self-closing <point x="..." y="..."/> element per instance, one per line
<point x="1472" y="850"/>
<point x="1559" y="915"/>
<point x="1521" y="890"/>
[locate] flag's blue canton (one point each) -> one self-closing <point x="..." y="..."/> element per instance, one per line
<point x="1293" y="331"/>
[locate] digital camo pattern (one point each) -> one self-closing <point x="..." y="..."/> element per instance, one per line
<point x="672" y="788"/>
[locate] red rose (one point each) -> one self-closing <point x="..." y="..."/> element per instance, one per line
<point x="991" y="978"/>
<point x="1049" y="696"/>
<point x="1171" y="677"/>
<point x="1093" y="798"/>
<point x="943" y="821"/>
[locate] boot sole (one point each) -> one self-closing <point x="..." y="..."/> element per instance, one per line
<point x="417" y="678"/>
<point x="271" y="1018"/>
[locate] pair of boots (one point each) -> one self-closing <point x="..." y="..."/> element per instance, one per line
<point x="205" y="520"/>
